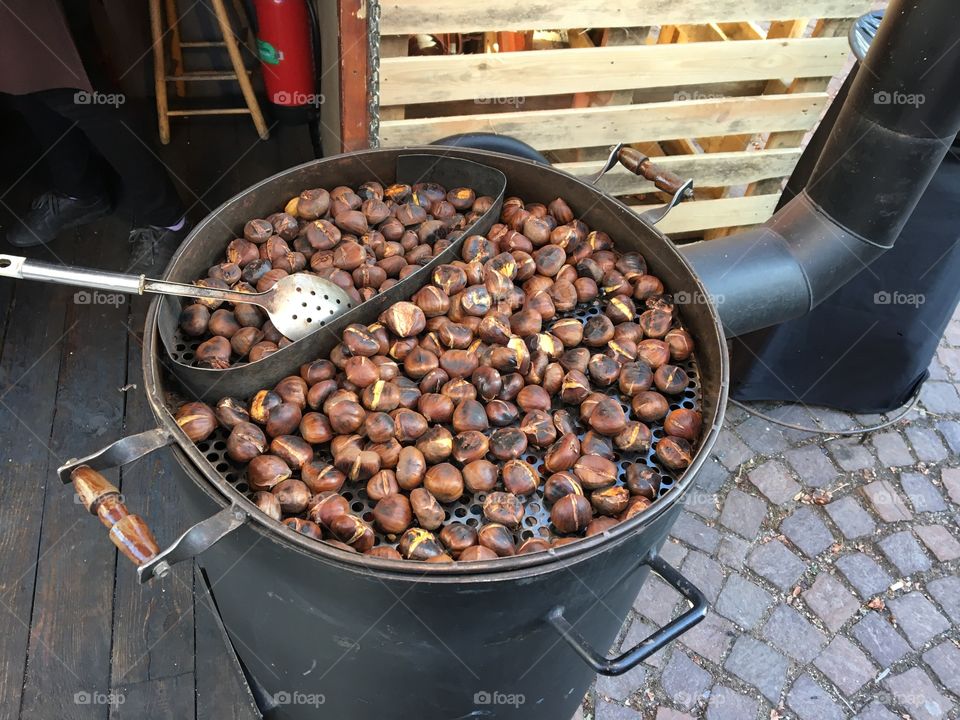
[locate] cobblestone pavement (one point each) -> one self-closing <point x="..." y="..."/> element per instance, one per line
<point x="831" y="565"/>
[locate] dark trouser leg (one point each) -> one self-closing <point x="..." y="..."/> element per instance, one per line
<point x="74" y="169"/>
<point x="146" y="190"/>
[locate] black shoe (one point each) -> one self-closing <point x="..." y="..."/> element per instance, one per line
<point x="152" y="247"/>
<point x="52" y="213"/>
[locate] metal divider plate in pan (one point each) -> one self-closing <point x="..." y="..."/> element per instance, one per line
<point x="207" y="242"/>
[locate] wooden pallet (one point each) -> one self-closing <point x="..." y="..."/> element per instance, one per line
<point x="723" y="91"/>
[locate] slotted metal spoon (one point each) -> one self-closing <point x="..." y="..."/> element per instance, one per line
<point x="297" y="305"/>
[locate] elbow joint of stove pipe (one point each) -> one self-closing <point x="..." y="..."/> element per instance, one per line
<point x="896" y="125"/>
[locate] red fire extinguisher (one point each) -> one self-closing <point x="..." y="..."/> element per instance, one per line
<point x="286" y="54"/>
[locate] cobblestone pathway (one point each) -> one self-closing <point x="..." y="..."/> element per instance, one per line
<point x="832" y="569"/>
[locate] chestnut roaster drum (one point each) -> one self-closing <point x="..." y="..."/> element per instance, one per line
<point x="327" y="633"/>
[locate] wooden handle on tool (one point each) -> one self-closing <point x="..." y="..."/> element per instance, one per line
<point x="101" y="498"/>
<point x="639" y="164"/>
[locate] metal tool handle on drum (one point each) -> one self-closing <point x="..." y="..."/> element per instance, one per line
<point x="664" y="180"/>
<point x="129" y="532"/>
<point x="649" y="645"/>
<point x="23" y="268"/>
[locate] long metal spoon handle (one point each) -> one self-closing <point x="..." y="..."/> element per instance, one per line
<point x="25" y="269"/>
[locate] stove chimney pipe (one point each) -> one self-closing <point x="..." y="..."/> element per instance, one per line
<point x="898" y="122"/>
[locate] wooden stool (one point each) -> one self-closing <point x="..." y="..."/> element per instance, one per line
<point x="181" y="76"/>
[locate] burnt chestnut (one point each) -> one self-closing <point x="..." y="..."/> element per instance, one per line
<point x="320" y="476"/>
<point x="345" y="416"/>
<point x="562" y="454"/>
<point x="382" y="484"/>
<point x="360" y="341"/>
<point x="608" y="417"/>
<point x="268" y="504"/>
<point x="450" y="279"/>
<point x="575" y="387"/>
<point x="593" y="443"/>
<point x="498" y="538"/>
<point x="231" y="412"/>
<point x="245" y="339"/>
<point x="429" y="513"/>
<point x="503" y="508"/>
<point x="538" y="426"/>
<point x="197" y="420"/>
<point x="393" y="514"/>
<point x="635" y="437"/>
<point x="469" y="446"/>
<point x="293" y="495"/>
<point x="214" y="353"/>
<point x="385" y="552"/>
<point x="444" y="482"/>
<point x="404" y="319"/>
<point x="680" y="344"/>
<point x="480" y="476"/>
<point x="410" y="425"/>
<point x="381" y="396"/>
<point x="600" y="525"/>
<point x="266" y="471"/>
<point x="294" y="451"/>
<point x="307" y="528"/>
<point x="457" y="537"/>
<point x="487" y="381"/>
<point x="610" y="501"/>
<point x="469" y="415"/>
<point x="246" y="441"/>
<point x="635" y="377"/>
<point x="655" y="323"/>
<point x="507" y="443"/>
<point x="603" y="370"/>
<point x="476" y="553"/>
<point x="458" y="363"/>
<point x="353" y="531"/>
<point x="262" y="404"/>
<point x="571" y="513"/>
<point x="284" y="419"/>
<point x="419" y="544"/>
<point x="671" y="379"/>
<point x="560" y="484"/>
<point x="520" y="477"/>
<point x="683" y="423"/>
<point x="194" y="319"/>
<point x="501" y="413"/>
<point x="675" y="453"/>
<point x="597" y="331"/>
<point x="643" y="480"/>
<point x="649" y="406"/>
<point x="595" y="472"/>
<point x="636" y="506"/>
<point x="418" y="362"/>
<point x="324" y="507"/>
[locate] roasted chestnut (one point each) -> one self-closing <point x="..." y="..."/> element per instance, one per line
<point x="444" y="482"/>
<point x="504" y="508"/>
<point x="520" y="477"/>
<point x="571" y="513"/>
<point x="197" y="420"/>
<point x="419" y="544"/>
<point x="429" y="513"/>
<point x="392" y="514"/>
<point x="595" y="472"/>
<point x="498" y="538"/>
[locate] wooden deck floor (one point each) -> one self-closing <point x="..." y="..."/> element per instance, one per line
<point x="81" y="639"/>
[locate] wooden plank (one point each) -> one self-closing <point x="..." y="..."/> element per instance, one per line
<point x="413" y="16"/>
<point x="613" y="67"/>
<point x="68" y="673"/>
<point x="707" y="169"/>
<point x="705" y="214"/>
<point x="28" y="387"/>
<point x="153" y="629"/>
<point x="353" y="72"/>
<point x="552" y="129"/>
<point x="392" y="46"/>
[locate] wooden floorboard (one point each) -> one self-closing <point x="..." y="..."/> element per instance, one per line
<point x="69" y="655"/>
<point x="79" y="630"/>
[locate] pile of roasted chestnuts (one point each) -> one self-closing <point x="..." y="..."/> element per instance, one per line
<point x="487" y="388"/>
<point x="365" y="240"/>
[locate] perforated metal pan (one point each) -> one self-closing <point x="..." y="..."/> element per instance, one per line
<point x="205" y="247"/>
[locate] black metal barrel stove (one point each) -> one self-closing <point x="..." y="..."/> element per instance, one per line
<point x="327" y="633"/>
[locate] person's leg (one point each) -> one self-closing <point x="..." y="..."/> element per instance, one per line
<point x="78" y="192"/>
<point x="147" y="193"/>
